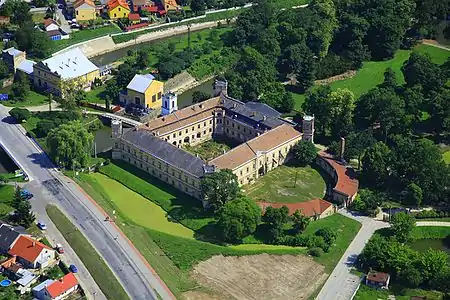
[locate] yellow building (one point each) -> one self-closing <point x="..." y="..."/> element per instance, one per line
<point x="144" y="90"/>
<point x="84" y="10"/>
<point x="170" y="5"/>
<point x="50" y="75"/>
<point x="118" y="9"/>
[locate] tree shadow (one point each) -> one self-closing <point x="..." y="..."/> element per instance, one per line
<point x="42" y="160"/>
<point x="9" y="120"/>
<point x="352" y="260"/>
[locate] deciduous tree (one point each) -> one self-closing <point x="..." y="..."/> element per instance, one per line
<point x="402" y="225"/>
<point x="219" y="188"/>
<point x="304" y="152"/>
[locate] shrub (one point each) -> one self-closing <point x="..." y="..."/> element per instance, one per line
<point x="317" y="241"/>
<point x="316" y="252"/>
<point x="43" y="127"/>
<point x="20" y="114"/>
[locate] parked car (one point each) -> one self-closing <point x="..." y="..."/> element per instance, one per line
<point x="73" y="269"/>
<point x="59" y="248"/>
<point x="41" y="225"/>
<point x="26" y="194"/>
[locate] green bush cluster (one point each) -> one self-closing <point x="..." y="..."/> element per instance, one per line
<point x="20" y="114"/>
<point x="430" y="214"/>
<point x="50" y="120"/>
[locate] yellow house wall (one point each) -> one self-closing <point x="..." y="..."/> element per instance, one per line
<point x="85" y="14"/>
<point x="118" y="12"/>
<point x="154" y="88"/>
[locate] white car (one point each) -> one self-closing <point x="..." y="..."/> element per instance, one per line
<point x="42" y="225"/>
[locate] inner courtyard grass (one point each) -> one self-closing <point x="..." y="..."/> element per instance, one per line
<point x="210" y="149"/>
<point x="372" y="73"/>
<point x="287" y="184"/>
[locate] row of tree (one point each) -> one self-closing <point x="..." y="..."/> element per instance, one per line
<point x="390" y="253"/>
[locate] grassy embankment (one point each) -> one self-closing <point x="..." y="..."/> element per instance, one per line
<point x="173" y="248"/>
<point x="6" y="199"/>
<point x="97" y="267"/>
<point x="372" y="73"/>
<point x="84" y="35"/>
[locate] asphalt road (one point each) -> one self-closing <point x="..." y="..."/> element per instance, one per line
<point x="342" y="284"/>
<point x="128" y="265"/>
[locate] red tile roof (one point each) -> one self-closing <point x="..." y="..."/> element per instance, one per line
<point x="78" y="3"/>
<point x="347" y="183"/>
<point x="136" y="26"/>
<point x="134" y="17"/>
<point x="28" y="248"/>
<point x="309" y="208"/>
<point x="49" y="21"/>
<point x="62" y="285"/>
<point x="114" y="3"/>
<point x="378" y="277"/>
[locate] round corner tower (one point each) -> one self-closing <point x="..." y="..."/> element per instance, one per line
<point x="308" y="128"/>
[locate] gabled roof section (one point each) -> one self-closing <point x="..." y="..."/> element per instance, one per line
<point x="140" y="83"/>
<point x="28" y="248"/>
<point x="62" y="285"/>
<point x="309" y="208"/>
<point x="69" y="64"/>
<point x="7" y="237"/>
<point x="134" y="17"/>
<point x="83" y="3"/>
<point x="145" y="141"/>
<point x="13" y="51"/>
<point x="115" y="3"/>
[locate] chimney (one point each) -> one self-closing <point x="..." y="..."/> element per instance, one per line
<point x="34" y="243"/>
<point x="201" y="105"/>
<point x="341" y="152"/>
<point x="264" y="118"/>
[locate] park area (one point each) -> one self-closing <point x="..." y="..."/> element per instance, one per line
<point x="179" y="240"/>
<point x="288" y="184"/>
<point x="372" y="72"/>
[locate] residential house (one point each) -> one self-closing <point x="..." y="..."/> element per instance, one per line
<point x="50" y="25"/>
<point x="171" y="5"/>
<point x="61" y="288"/>
<point x="72" y="65"/>
<point x="39" y="291"/>
<point x="31" y="253"/>
<point x="134" y="18"/>
<point x="144" y="90"/>
<point x="8" y="236"/>
<point x="16" y="60"/>
<point x="118" y="9"/>
<point x="378" y="279"/>
<point x="85" y="10"/>
<point x="4" y="20"/>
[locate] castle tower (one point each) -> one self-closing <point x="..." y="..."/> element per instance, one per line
<point x="220" y="86"/>
<point x="116" y="133"/>
<point x="169" y="103"/>
<point x="308" y="128"/>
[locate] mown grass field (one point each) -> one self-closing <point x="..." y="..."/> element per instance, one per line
<point x="6" y="199"/>
<point x="97" y="267"/>
<point x="287" y="184"/>
<point x="148" y="219"/>
<point x="372" y="73"/>
<point x="33" y="99"/>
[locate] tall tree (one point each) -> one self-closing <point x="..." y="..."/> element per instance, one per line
<point x="70" y="144"/>
<point x="317" y="103"/>
<point x="238" y="218"/>
<point x="402" y="225"/>
<point x="219" y="188"/>
<point x="342" y="105"/>
<point x="304" y="152"/>
<point x="276" y="218"/>
<point x="413" y="194"/>
<point x="300" y="221"/>
<point x="419" y="69"/>
<point x="323" y="34"/>
<point x="433" y="263"/>
<point x="376" y="163"/>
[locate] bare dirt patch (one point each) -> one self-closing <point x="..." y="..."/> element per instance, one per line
<point x="261" y="276"/>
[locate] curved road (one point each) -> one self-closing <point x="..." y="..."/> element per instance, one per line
<point x="342" y="284"/>
<point x="135" y="274"/>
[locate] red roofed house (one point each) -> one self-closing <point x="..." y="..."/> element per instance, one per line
<point x="378" y="279"/>
<point x="346" y="184"/>
<point x="62" y="287"/>
<point x="134" y="18"/>
<point x="50" y="25"/>
<point x="118" y="9"/>
<point x="317" y="208"/>
<point x="31" y="253"/>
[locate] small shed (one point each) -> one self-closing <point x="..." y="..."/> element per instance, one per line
<point x="378" y="279"/>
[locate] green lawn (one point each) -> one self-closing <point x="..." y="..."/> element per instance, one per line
<point x="372" y="73"/>
<point x="97" y="267"/>
<point x="33" y="99"/>
<point x="96" y="95"/>
<point x="430" y="232"/>
<point x="446" y="156"/>
<point x="84" y="35"/>
<point x="209" y="149"/>
<point x="290" y="3"/>
<point x="279" y="185"/>
<point x="6" y="197"/>
<point x="368" y="293"/>
<point x="134" y="206"/>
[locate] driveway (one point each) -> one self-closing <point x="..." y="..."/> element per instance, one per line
<point x="342" y="284"/>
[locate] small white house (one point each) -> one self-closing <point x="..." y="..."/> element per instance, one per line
<point x="50" y="25"/>
<point x="31" y="253"/>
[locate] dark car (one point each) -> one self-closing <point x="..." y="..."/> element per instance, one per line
<point x="26" y="195"/>
<point x="73" y="269"/>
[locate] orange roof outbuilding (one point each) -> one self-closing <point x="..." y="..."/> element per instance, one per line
<point x="346" y="184"/>
<point x="62" y="285"/>
<point x="309" y="208"/>
<point x="134" y="17"/>
<point x="27" y="248"/>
